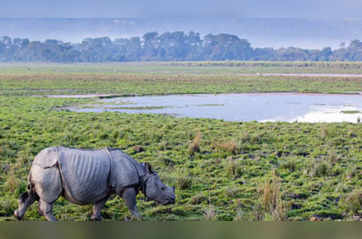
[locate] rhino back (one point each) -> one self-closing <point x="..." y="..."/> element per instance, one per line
<point x="85" y="174"/>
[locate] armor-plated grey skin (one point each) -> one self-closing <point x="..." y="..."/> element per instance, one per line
<point x="90" y="177"/>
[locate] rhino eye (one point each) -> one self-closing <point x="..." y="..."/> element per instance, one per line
<point x="163" y="188"/>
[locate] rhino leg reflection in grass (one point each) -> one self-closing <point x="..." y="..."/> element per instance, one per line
<point x="90" y="177"/>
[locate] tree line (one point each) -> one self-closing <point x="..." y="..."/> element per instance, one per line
<point x="169" y="46"/>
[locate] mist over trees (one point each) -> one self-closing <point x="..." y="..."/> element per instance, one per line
<point x="169" y="46"/>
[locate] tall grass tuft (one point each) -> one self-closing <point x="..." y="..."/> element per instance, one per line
<point x="210" y="213"/>
<point x="183" y="180"/>
<point x="333" y="157"/>
<point x="233" y="168"/>
<point x="320" y="168"/>
<point x="7" y="206"/>
<point x="229" y="146"/>
<point x="194" y="146"/>
<point x="241" y="216"/>
<point x="12" y="181"/>
<point x="352" y="202"/>
<point x="324" y="132"/>
<point x="271" y="199"/>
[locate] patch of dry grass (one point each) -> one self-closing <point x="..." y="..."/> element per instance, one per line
<point x="271" y="199"/>
<point x="229" y="146"/>
<point x="194" y="146"/>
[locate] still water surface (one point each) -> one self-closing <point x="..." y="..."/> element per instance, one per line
<point x="287" y="107"/>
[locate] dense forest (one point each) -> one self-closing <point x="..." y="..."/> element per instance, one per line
<point x="169" y="46"/>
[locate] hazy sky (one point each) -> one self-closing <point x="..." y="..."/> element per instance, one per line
<point x="182" y="8"/>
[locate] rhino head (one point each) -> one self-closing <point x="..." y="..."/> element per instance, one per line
<point x="154" y="189"/>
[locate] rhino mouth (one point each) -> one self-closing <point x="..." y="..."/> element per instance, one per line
<point x="168" y="201"/>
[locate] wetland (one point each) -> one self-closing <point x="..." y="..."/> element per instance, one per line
<point x="274" y="170"/>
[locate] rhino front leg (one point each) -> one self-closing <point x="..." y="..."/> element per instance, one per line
<point x="129" y="196"/>
<point x="46" y="209"/>
<point x="97" y="208"/>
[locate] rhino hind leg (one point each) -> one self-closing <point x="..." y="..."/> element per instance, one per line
<point x="46" y="209"/>
<point x="97" y="208"/>
<point x="25" y="201"/>
<point x="48" y="186"/>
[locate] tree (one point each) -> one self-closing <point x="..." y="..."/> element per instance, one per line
<point x="150" y="46"/>
<point x="169" y="46"/>
<point x="226" y="47"/>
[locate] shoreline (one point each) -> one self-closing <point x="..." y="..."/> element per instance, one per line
<point x="109" y="96"/>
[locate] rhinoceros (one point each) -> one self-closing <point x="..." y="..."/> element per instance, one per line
<point x="85" y="176"/>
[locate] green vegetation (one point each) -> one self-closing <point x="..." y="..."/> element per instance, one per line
<point x="221" y="170"/>
<point x="137" y="108"/>
<point x="350" y="111"/>
<point x="176" y="78"/>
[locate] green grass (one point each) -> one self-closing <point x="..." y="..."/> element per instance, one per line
<point x="137" y="108"/>
<point x="350" y="111"/>
<point x="222" y="170"/>
<point x="174" y="78"/>
<point x="186" y="67"/>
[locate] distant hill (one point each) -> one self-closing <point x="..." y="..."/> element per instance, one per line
<point x="262" y="32"/>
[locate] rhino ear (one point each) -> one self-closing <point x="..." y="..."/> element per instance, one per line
<point x="148" y="168"/>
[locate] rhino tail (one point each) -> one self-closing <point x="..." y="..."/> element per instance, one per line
<point x="30" y="192"/>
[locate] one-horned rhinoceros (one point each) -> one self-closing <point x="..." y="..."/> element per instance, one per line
<point x="90" y="177"/>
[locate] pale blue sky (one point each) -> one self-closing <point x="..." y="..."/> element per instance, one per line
<point x="182" y="8"/>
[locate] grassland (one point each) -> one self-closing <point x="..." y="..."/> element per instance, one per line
<point x="176" y="78"/>
<point x="222" y="170"/>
